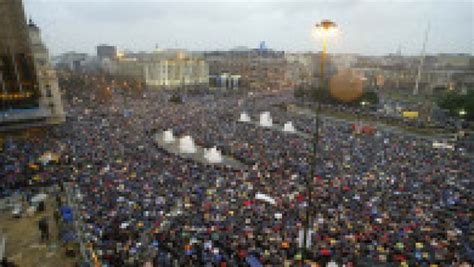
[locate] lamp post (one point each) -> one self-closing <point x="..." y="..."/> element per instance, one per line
<point x="364" y="104"/>
<point x="462" y="113"/>
<point x="324" y="28"/>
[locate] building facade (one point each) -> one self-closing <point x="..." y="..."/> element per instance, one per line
<point x="258" y="69"/>
<point x="106" y="51"/>
<point x="224" y="81"/>
<point x="400" y="73"/>
<point x="30" y="95"/>
<point x="127" y="68"/>
<point x="304" y="69"/>
<point x="163" y="69"/>
<point x="47" y="79"/>
<point x="72" y="61"/>
<point x="175" y="68"/>
<point x="18" y="84"/>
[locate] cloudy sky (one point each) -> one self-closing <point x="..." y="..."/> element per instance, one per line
<point x="371" y="27"/>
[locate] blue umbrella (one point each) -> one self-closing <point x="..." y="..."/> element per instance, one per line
<point x="252" y="261"/>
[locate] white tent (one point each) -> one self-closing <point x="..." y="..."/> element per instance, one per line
<point x="266" y="119"/>
<point x="244" y="117"/>
<point x="168" y="136"/>
<point x="266" y="198"/>
<point x="289" y="128"/>
<point x="213" y="155"/>
<point x="443" y="145"/>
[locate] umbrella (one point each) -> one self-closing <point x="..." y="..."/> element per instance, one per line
<point x="253" y="261"/>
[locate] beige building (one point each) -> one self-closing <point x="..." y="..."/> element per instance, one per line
<point x="127" y="67"/>
<point x="174" y="68"/>
<point x="299" y="69"/>
<point x="162" y="68"/>
<point x="257" y="70"/>
<point x="453" y="61"/>
<point x="305" y="68"/>
<point x="400" y="73"/>
<point x="50" y="99"/>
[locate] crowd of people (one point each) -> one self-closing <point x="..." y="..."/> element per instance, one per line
<point x="377" y="199"/>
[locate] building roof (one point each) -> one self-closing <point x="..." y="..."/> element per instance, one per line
<point x="32" y="25"/>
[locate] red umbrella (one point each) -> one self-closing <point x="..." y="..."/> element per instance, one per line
<point x="325" y="252"/>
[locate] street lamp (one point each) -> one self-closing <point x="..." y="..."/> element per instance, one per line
<point x="462" y="113"/>
<point x="363" y="104"/>
<point x="325" y="28"/>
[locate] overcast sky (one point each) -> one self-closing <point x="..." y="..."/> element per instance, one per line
<point x="368" y="27"/>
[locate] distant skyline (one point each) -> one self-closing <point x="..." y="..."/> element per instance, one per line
<point x="366" y="27"/>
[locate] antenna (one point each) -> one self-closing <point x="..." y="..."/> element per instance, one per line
<point x="422" y="60"/>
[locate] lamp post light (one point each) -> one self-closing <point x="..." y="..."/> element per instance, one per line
<point x="462" y="113"/>
<point x="325" y="28"/>
<point x="363" y="104"/>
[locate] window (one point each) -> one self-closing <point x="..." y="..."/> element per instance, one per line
<point x="48" y="91"/>
<point x="51" y="107"/>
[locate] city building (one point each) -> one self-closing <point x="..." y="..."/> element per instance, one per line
<point x="304" y="69"/>
<point x="458" y="61"/>
<point x="400" y="73"/>
<point x="106" y="51"/>
<point x="163" y="68"/>
<point x="72" y="61"/>
<point x="224" y="81"/>
<point x="259" y="69"/>
<point x="20" y="89"/>
<point x="29" y="91"/>
<point x="173" y="68"/>
<point x="343" y="61"/>
<point x="48" y="82"/>
<point x="127" y="67"/>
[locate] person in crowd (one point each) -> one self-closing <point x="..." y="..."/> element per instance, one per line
<point x="376" y="198"/>
<point x="43" y="227"/>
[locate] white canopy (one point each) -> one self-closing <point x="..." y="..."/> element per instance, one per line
<point x="443" y="145"/>
<point x="266" y="198"/>
<point x="38" y="198"/>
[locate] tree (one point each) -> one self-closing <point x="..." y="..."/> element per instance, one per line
<point x="455" y="102"/>
<point x="371" y="97"/>
<point x="315" y="94"/>
<point x="176" y="98"/>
